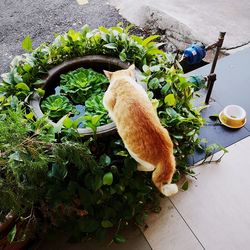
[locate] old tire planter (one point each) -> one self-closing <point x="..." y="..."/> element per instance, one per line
<point x="97" y="63"/>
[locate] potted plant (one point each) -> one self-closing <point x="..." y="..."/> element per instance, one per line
<point x="87" y="184"/>
<point x="77" y="86"/>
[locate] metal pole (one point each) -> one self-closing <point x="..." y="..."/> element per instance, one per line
<point x="211" y="80"/>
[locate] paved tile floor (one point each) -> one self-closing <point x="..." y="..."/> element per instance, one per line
<point x="214" y="213"/>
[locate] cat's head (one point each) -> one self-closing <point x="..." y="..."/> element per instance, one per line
<point x="129" y="72"/>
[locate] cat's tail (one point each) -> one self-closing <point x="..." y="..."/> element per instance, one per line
<point x="162" y="177"/>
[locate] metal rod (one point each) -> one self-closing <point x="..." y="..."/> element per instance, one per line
<point x="219" y="45"/>
<point x="212" y="76"/>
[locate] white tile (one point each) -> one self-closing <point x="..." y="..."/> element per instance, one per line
<point x="217" y="204"/>
<point x="168" y="231"/>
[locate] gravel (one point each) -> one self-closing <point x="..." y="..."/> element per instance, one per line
<point x="43" y="19"/>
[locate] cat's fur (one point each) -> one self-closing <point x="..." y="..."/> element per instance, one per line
<point x="140" y="129"/>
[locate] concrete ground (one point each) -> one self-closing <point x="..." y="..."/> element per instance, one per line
<point x="183" y="21"/>
<point x="44" y="18"/>
<point x="213" y="214"/>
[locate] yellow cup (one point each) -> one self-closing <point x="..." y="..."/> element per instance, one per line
<point x="233" y="116"/>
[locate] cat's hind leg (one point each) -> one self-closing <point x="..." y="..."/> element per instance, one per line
<point x="162" y="177"/>
<point x="142" y="165"/>
<point x="145" y="166"/>
<point x="169" y="189"/>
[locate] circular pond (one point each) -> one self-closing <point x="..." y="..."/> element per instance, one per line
<point x="52" y="87"/>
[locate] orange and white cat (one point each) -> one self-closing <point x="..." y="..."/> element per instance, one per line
<point x="146" y="140"/>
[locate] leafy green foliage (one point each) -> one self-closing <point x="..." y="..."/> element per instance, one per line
<point x="81" y="84"/>
<point x="27" y="45"/>
<point x="57" y="106"/>
<point x="185" y="185"/>
<point x="24" y="160"/>
<point x="90" y="184"/>
<point x="94" y="106"/>
<point x="92" y="121"/>
<point x="108" y="179"/>
<point x="107" y="186"/>
<point x="119" y="239"/>
<point x="11" y="235"/>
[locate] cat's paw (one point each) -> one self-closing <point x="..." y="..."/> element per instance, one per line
<point x="169" y="189"/>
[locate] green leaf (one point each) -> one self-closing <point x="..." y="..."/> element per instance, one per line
<point x="27" y="67"/>
<point x="154" y="83"/>
<point x="213" y="147"/>
<point x="110" y="46"/>
<point x="29" y="116"/>
<point x="137" y="39"/>
<point x="126" y="30"/>
<point x="119" y="239"/>
<point x="18" y="78"/>
<point x="96" y="119"/>
<point x="75" y="36"/>
<point x="67" y="123"/>
<point x="27" y="44"/>
<point x="57" y="106"/>
<point x="58" y="171"/>
<point x="88" y="225"/>
<point x="155" y="68"/>
<point x="97" y="182"/>
<point x="23" y="86"/>
<point x="58" y="126"/>
<point x="122" y="153"/>
<point x="107" y="224"/>
<point x="123" y="56"/>
<point x="146" y="69"/>
<point x="15" y="156"/>
<point x="149" y="39"/>
<point x="85" y="29"/>
<point x="39" y="82"/>
<point x="170" y="100"/>
<point x="155" y="103"/>
<point x="155" y="51"/>
<point x="191" y="133"/>
<point x="185" y="185"/>
<point x="105" y="160"/>
<point x="165" y="89"/>
<point x="40" y="92"/>
<point x="179" y="137"/>
<point x="104" y="30"/>
<point x="108" y="179"/>
<point x="116" y="28"/>
<point x="11" y="235"/>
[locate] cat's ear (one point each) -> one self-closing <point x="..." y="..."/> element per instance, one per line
<point x="108" y="74"/>
<point x="132" y="70"/>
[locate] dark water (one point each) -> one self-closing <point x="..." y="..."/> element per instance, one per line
<point x="80" y="112"/>
<point x="58" y="90"/>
